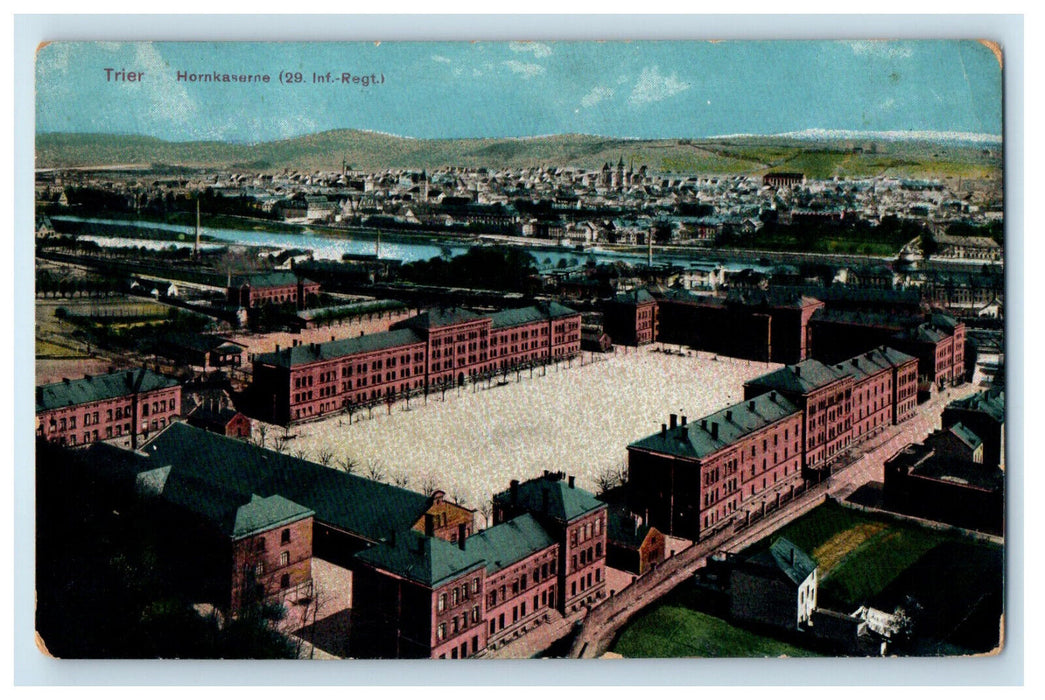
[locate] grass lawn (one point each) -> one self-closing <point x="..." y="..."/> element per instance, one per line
<point x="673" y="629"/>
<point x="46" y="348"/>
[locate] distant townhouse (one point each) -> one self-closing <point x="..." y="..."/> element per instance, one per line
<point x="984" y="414"/>
<point x="777" y="586"/>
<point x="923" y="481"/>
<point x="437" y="349"/>
<point x="630" y="318"/>
<point x="123" y="406"/>
<point x="280" y="287"/>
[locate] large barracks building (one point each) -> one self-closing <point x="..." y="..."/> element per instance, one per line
<point x="438" y="348"/>
<point x="120" y="406"/>
<point x="695" y="477"/>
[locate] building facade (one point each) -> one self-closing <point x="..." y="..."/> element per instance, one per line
<point x="435" y="350"/>
<point x="123" y="407"/>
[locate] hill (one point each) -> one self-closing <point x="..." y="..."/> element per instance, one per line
<point x="817" y="158"/>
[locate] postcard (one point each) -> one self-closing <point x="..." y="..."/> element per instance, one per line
<point x="504" y="350"/>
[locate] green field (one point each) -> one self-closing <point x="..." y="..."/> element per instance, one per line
<point x="673" y="628"/>
<point x="859" y="556"/>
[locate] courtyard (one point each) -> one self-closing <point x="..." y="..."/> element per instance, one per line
<point x="472" y="441"/>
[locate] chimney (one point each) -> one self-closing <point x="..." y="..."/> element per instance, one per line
<point x="751" y="405"/>
<point x="772" y="396"/>
<point x="729" y="415"/>
<point x="514" y="489"/>
<point x="663" y="429"/>
<point x="570" y="480"/>
<point x="714" y="431"/>
<point x="462" y="533"/>
<point x="683" y="432"/>
<point x="429" y="525"/>
<point x="683" y="418"/>
<point x="66" y="380"/>
<point x="674" y="420"/>
<point x="277" y="348"/>
<point x="87" y="377"/>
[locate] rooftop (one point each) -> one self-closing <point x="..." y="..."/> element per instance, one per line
<point x="551" y="496"/>
<point x="991" y="402"/>
<point x="702" y="438"/>
<point x="307" y="353"/>
<point x="509" y="542"/>
<point x="429" y="561"/>
<point x="806" y="376"/>
<point x="74" y="392"/>
<point x="783" y="557"/>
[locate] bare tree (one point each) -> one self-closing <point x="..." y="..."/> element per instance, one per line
<point x="401" y="480"/>
<point x="260" y="434"/>
<point x="374" y="470"/>
<point x="428" y="485"/>
<point x="325" y="456"/>
<point x="347" y="464"/>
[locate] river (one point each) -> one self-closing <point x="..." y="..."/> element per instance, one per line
<point x="333" y="247"/>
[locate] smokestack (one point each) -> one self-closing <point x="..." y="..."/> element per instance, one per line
<point x="571" y="480"/>
<point x="462" y="533"/>
<point x="429" y="525"/>
<point x="674" y="421"/>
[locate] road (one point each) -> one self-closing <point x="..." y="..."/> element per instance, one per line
<point x="604" y="621"/>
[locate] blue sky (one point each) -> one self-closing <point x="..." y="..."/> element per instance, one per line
<point x="441" y="90"/>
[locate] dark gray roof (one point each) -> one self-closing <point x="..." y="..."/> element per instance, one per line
<point x="503" y="545"/>
<point x="562" y="502"/>
<point x="968" y="437"/>
<point x="783" y="557"/>
<point x="637" y="296"/>
<point x="308" y="353"/>
<point x="624" y="528"/>
<point x="429" y="561"/>
<point x="802" y="378"/>
<point x="873" y="362"/>
<point x="733" y="423"/>
<point x="278" y="278"/>
<point x="75" y="392"/>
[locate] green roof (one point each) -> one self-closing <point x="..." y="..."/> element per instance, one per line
<point x="316" y="352"/>
<point x="991" y="402"/>
<point x="562" y="503"/>
<point x="437" y="318"/>
<point x="106" y="386"/>
<point x="971" y="439"/>
<point x="429" y="561"/>
<point x="638" y="296"/>
<point x="785" y="557"/>
<point x="234" y="512"/>
<point x="696" y="441"/>
<point x="366" y="508"/>
<point x="278" y="278"/>
<point x="503" y="545"/>
<point x="802" y="378"/>
<point x="529" y="314"/>
<point x="872" y="362"/>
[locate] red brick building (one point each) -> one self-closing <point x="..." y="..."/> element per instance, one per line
<point x="439" y="348"/>
<point x="694" y="478"/>
<point x="237" y="547"/>
<point x="222" y="420"/>
<point x="823" y="393"/>
<point x="576" y="520"/>
<point x="760" y="325"/>
<point x="630" y="318"/>
<point x="984" y="414"/>
<point x="885" y="390"/>
<point x="121" y="406"/>
<point x="279" y="287"/>
<point x="634" y="545"/>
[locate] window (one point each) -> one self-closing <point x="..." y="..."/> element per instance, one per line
<point x="441" y="633"/>
<point x="259" y="568"/>
<point x="442" y="603"/>
<point x="284" y="537"/>
<point x="453" y="598"/>
<point x="475" y="613"/>
<point x="475" y="585"/>
<point x="284" y="581"/>
<point x="259" y="544"/>
<point x="284" y="558"/>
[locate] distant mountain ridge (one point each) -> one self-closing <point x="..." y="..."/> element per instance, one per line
<point x="817" y="153"/>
